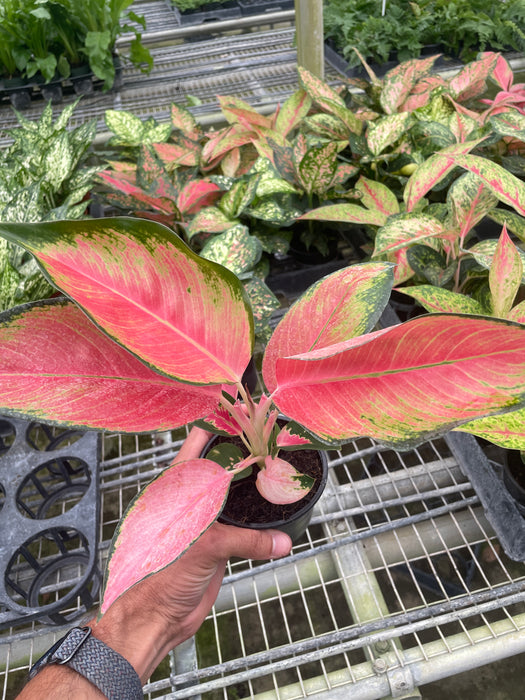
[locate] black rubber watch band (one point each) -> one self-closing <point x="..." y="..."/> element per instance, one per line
<point x="108" y="671"/>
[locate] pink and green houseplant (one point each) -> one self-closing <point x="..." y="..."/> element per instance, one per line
<point x="150" y="336"/>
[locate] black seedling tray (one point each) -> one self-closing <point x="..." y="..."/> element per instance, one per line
<point x="48" y="520"/>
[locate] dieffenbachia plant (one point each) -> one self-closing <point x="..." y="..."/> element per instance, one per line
<point x="150" y="336"/>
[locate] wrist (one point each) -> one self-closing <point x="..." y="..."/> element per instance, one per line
<point x="136" y="632"/>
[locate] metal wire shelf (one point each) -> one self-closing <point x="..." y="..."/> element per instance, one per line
<point x="399" y="581"/>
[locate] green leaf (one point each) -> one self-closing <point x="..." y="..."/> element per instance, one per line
<point x="403" y="230"/>
<point x="317" y="168"/>
<point x="431" y="264"/>
<point x="469" y="201"/>
<point x="227" y="455"/>
<point x="386" y="131"/>
<point x="503" y="429"/>
<point x="235" y="249"/>
<point x="507" y="188"/>
<point x="128" y="128"/>
<point x="239" y="196"/>
<point x="514" y="222"/>
<point x="435" y="299"/>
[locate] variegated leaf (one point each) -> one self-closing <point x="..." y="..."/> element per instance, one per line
<point x="432" y="171"/>
<point x="326" y="125"/>
<point x="305" y="327"/>
<point x="431" y="264"/>
<point x="386" y="131"/>
<point x="509" y="124"/>
<point x="292" y="112"/>
<point x="517" y="314"/>
<point x="483" y="252"/>
<point x="197" y="194"/>
<point x="127" y="128"/>
<point x="275" y="212"/>
<point x="239" y="196"/>
<point x="507" y="188"/>
<point x="398" y="82"/>
<point x="349" y="213"/>
<point x="470" y="81"/>
<point x="514" y="222"/>
<point x="235" y="249"/>
<point x="404" y="229"/>
<point x="505" y="275"/>
<point x="79" y="377"/>
<point x="405" y="384"/>
<point x="184" y="121"/>
<point x="504" y="429"/>
<point x="469" y="201"/>
<point x="377" y="196"/>
<point x="435" y="299"/>
<point x="264" y="303"/>
<point x="185" y="152"/>
<point x="171" y="315"/>
<point x="183" y="501"/>
<point x="210" y="220"/>
<point x="279" y="482"/>
<point x="317" y="168"/>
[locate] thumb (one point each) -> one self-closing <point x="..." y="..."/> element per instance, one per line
<point x="252" y="544"/>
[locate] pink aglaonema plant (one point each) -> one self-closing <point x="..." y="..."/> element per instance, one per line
<point x="149" y="336"/>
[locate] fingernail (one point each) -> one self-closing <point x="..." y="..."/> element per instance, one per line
<point x="281" y="544"/>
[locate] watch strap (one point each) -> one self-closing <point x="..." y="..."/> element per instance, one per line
<point x="110" y="672"/>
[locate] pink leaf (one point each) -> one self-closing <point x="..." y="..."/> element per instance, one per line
<point x="170" y="514"/>
<point x="377" y="197"/>
<point x="147" y="290"/>
<point x="294" y="109"/>
<point x="432" y="171"/>
<point x="504" y="184"/>
<point x="287" y="438"/>
<point x="340" y="306"/>
<point x="71" y="372"/>
<point x="281" y="483"/>
<point x="196" y="195"/>
<point x="505" y="275"/>
<point x="404" y="384"/>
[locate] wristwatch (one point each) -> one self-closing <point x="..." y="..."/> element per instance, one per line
<point x="108" y="671"/>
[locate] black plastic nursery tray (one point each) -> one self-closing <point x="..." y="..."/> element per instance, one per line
<point x="23" y="93"/>
<point x="217" y="12"/>
<point x="48" y="520"/>
<point x="211" y="12"/>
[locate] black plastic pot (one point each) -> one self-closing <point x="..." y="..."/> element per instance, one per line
<point x="293" y="525"/>
<point x="259" y="7"/>
<point x="211" y="12"/>
<point x="19" y="92"/>
<point x="82" y="80"/>
<point x="514" y="477"/>
<point x="501" y="508"/>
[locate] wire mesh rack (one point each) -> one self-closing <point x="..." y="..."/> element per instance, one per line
<point x="255" y="62"/>
<point x="399" y="581"/>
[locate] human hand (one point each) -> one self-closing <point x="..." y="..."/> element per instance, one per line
<point x="163" y="610"/>
<point x="174" y="602"/>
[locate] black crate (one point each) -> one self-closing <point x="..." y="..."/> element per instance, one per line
<point x="49" y="511"/>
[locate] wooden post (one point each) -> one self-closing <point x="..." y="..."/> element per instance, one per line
<point x="310" y="35"/>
